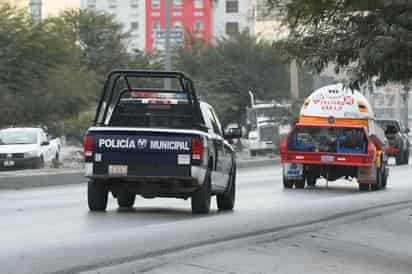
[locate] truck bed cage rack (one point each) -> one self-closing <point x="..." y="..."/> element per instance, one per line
<point x="114" y="76"/>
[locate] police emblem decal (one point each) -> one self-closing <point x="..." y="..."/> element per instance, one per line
<point x="142" y="143"/>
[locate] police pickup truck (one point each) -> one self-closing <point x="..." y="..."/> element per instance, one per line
<point x="153" y="137"/>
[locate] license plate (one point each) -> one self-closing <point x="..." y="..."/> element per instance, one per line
<point x="183" y="159"/>
<point x="327" y="158"/>
<point x="294" y="170"/>
<point x="391" y="161"/>
<point x="9" y="163"/>
<point x="118" y="170"/>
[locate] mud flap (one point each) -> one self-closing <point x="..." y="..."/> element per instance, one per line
<point x="367" y="175"/>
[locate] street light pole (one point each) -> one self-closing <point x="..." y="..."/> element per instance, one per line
<point x="294" y="79"/>
<point x="167" y="51"/>
<point x="406" y="88"/>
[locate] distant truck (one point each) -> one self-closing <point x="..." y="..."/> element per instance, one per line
<point x="27" y="147"/>
<point x="336" y="137"/>
<point x="388" y="102"/>
<point x="398" y="139"/>
<point x="264" y="126"/>
<point x="154" y="141"/>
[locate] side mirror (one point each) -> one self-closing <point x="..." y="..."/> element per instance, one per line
<point x="45" y="143"/>
<point x="233" y="133"/>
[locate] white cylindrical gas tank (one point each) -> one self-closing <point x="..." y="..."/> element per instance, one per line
<point x="339" y="102"/>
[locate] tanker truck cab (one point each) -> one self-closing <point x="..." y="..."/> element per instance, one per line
<point x="336" y="137"/>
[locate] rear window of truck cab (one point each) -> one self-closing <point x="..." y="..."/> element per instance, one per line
<point x="152" y="109"/>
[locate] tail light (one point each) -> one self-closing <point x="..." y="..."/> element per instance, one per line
<point x="88" y="145"/>
<point x="197" y="149"/>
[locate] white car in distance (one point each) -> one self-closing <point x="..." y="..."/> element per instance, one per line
<point x="27" y="148"/>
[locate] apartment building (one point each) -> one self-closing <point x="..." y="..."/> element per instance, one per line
<point x="130" y="13"/>
<point x="188" y="17"/>
<point x="40" y="9"/>
<point x="268" y="22"/>
<point x="55" y="7"/>
<point x="203" y="19"/>
<point x="233" y="16"/>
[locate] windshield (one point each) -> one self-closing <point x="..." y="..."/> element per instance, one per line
<point x="152" y="109"/>
<point x="125" y="88"/>
<point x="255" y="113"/>
<point x="18" y="137"/>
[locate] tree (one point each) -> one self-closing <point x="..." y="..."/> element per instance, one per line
<point x="27" y="54"/>
<point x="97" y="37"/>
<point x="226" y="70"/>
<point x="369" y="38"/>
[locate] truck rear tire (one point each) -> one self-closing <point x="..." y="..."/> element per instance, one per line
<point x="385" y="177"/>
<point x="379" y="182"/>
<point x="97" y="194"/>
<point x="300" y="184"/>
<point x="126" y="199"/>
<point x="201" y="198"/>
<point x="399" y="159"/>
<point x="406" y="157"/>
<point x="287" y="183"/>
<point x="226" y="201"/>
<point x="363" y="187"/>
<point x="311" y="180"/>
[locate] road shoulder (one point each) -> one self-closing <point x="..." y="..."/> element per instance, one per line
<point x="377" y="241"/>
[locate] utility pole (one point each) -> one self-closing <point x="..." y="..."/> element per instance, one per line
<point x="406" y="88"/>
<point x="294" y="80"/>
<point x="371" y="93"/>
<point x="167" y="51"/>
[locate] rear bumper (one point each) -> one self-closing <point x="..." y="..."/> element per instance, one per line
<point x="335" y="159"/>
<point x="153" y="180"/>
<point x="155" y="187"/>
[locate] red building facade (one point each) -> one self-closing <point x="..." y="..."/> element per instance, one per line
<point x="188" y="17"/>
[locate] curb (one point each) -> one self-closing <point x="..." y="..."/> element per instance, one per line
<point x="46" y="178"/>
<point x="257" y="163"/>
<point x="23" y="181"/>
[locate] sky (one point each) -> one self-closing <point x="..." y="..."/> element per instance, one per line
<point x="54" y="7"/>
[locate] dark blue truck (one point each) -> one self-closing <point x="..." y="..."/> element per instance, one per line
<point x="154" y="141"/>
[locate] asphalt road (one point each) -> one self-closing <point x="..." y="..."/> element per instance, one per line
<point x="49" y="230"/>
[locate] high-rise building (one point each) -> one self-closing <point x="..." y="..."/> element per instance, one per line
<point x="187" y="17"/>
<point x="55" y="7"/>
<point x="202" y="19"/>
<point x="233" y="16"/>
<point x="130" y="13"/>
<point x="40" y="9"/>
<point x="16" y="3"/>
<point x="268" y="21"/>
